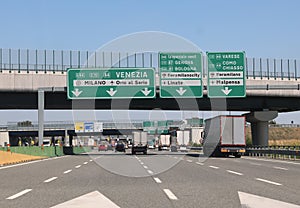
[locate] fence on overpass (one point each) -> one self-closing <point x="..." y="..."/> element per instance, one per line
<point x="60" y="60"/>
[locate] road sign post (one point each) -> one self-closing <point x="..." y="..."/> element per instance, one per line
<point x="180" y="75"/>
<point x="226" y="74"/>
<point x="111" y="83"/>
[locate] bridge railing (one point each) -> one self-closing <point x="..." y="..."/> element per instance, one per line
<point x="274" y="152"/>
<point x="60" y="60"/>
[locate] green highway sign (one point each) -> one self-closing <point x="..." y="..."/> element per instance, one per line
<point x="226" y="74"/>
<point x="180" y="75"/>
<point x="111" y="83"/>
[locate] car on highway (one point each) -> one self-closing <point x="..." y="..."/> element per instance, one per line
<point x="103" y="146"/>
<point x="120" y="147"/>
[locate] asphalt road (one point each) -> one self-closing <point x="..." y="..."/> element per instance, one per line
<point x="160" y="179"/>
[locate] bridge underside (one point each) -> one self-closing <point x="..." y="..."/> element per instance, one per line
<point x="59" y="101"/>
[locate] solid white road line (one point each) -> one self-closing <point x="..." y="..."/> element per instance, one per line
<point x="189" y="161"/>
<point x="270" y="182"/>
<point x="85" y="163"/>
<point x="145" y="167"/>
<point x="199" y="163"/>
<point x="170" y="194"/>
<point x="255" y="164"/>
<point x="271" y="160"/>
<point x="78" y="166"/>
<point x="149" y="171"/>
<point x="36" y="161"/>
<point x="50" y="179"/>
<point x="67" y="171"/>
<point x="280" y="168"/>
<point x="157" y="180"/>
<point x="233" y="172"/>
<point x="214" y="167"/>
<point x="19" y="194"/>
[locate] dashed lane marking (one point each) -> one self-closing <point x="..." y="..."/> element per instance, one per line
<point x="233" y="172"/>
<point x="19" y="194"/>
<point x="280" y="168"/>
<point x="214" y="167"/>
<point x="170" y="194"/>
<point x="157" y="180"/>
<point x="67" y="171"/>
<point x="267" y="181"/>
<point x="50" y="179"/>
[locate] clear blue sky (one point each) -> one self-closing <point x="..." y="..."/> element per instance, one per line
<point x="262" y="28"/>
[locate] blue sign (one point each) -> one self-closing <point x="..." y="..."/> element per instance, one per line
<point x="89" y="127"/>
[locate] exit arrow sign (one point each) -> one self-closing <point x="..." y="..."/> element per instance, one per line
<point x="226" y="74"/>
<point x="101" y="83"/>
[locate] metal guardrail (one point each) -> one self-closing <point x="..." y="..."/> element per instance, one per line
<point x="60" y="60"/>
<point x="279" y="152"/>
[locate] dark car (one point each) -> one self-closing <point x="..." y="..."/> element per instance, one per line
<point x="120" y="147"/>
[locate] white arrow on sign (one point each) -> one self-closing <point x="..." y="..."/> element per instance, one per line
<point x="254" y="201"/>
<point x="181" y="91"/>
<point x="146" y="92"/>
<point x="226" y="91"/>
<point x="111" y="92"/>
<point x="76" y="92"/>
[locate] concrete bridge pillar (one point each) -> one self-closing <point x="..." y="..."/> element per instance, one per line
<point x="260" y="126"/>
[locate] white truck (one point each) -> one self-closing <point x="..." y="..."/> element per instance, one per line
<point x="224" y="136"/>
<point x="196" y="134"/>
<point x="183" y="139"/>
<point x="139" y="142"/>
<point x="164" y="142"/>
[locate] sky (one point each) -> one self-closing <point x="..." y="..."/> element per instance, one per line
<point x="267" y="29"/>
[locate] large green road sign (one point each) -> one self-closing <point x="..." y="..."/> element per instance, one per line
<point x="111" y="83"/>
<point x="226" y="74"/>
<point x="180" y="75"/>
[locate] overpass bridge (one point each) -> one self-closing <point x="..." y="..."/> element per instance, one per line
<point x="272" y="85"/>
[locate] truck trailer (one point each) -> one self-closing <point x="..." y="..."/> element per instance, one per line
<point x="164" y="142"/>
<point x="139" y="142"/>
<point x="224" y="136"/>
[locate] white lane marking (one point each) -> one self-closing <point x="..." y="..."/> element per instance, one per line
<point x="31" y="162"/>
<point x="91" y="160"/>
<point x="142" y="163"/>
<point x="93" y="199"/>
<point x="258" y="164"/>
<point x="270" y="160"/>
<point x="145" y="167"/>
<point x="214" y="167"/>
<point x="233" y="172"/>
<point x="50" y="179"/>
<point x="267" y="181"/>
<point x="254" y="201"/>
<point x="175" y="157"/>
<point x="78" y="166"/>
<point x="97" y="157"/>
<point x="280" y="168"/>
<point x="149" y="171"/>
<point x="189" y="161"/>
<point x="170" y="194"/>
<point x="199" y="163"/>
<point x="67" y="171"/>
<point x="157" y="180"/>
<point x="19" y="194"/>
<point x="85" y="163"/>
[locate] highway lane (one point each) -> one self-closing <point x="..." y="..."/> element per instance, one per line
<point x="161" y="179"/>
<point x="242" y="177"/>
